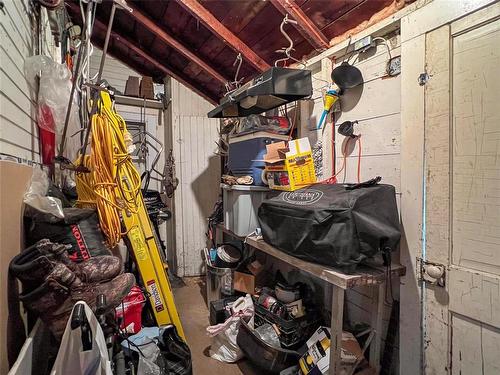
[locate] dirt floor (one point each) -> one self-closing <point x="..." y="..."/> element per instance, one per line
<point x="191" y="303"/>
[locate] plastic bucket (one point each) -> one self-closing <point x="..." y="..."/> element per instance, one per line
<point x="228" y="256"/>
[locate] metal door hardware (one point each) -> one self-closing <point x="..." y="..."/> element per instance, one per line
<point x="423" y="78"/>
<point x="430" y="272"/>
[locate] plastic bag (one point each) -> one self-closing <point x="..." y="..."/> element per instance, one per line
<point x="53" y="99"/>
<point x="72" y="359"/>
<point x="147" y="360"/>
<point x="252" y="123"/>
<point x="36" y="196"/>
<point x="224" y="347"/>
<point x="54" y="89"/>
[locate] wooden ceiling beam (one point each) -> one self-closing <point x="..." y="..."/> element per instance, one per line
<point x="139" y="16"/>
<point x="116" y="37"/>
<point x="216" y="27"/>
<point x="306" y="27"/>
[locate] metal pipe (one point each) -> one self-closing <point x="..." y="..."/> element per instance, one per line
<point x="75" y="80"/>
<point x="96" y="92"/>
<point x="106" y="42"/>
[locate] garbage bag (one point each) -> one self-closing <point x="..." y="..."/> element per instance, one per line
<point x="224" y="347"/>
<point x="337" y="225"/>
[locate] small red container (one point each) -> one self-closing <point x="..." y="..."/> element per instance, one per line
<point x="131" y="310"/>
<point x="46" y="128"/>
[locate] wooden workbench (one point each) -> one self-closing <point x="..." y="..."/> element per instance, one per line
<point x="364" y="275"/>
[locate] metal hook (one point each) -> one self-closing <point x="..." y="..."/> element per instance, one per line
<point x="287" y="50"/>
<point x="231" y="86"/>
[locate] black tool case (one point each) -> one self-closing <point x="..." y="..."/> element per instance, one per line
<point x="336" y="225"/>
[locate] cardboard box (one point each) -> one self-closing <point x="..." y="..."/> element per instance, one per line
<point x="317" y="358"/>
<point x="289" y="167"/>
<point x="250" y="277"/>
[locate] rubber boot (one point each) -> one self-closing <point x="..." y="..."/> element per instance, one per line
<point x="53" y="301"/>
<point x="35" y="263"/>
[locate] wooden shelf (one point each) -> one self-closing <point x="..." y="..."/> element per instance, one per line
<point x="364" y="275"/>
<point x="138" y="102"/>
<point x="223" y="229"/>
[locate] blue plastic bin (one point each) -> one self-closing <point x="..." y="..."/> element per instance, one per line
<point x="245" y="150"/>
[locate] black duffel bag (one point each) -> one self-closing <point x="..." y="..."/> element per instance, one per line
<point x="336" y="225"/>
<point x="79" y="228"/>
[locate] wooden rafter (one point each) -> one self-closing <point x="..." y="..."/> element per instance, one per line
<point x="139" y="16"/>
<point x="215" y="26"/>
<point x="118" y="38"/>
<point x="305" y="25"/>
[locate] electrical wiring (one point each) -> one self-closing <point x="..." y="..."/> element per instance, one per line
<point x="114" y="184"/>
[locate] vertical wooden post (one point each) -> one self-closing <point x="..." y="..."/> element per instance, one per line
<point x="338" y="295"/>
<point x="376" y="323"/>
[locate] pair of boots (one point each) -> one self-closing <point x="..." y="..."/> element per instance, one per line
<point x="53" y="283"/>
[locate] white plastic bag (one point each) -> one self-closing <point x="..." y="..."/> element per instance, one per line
<point x="224" y="347"/>
<point x="71" y="359"/>
<point x="36" y="196"/>
<point x="53" y="97"/>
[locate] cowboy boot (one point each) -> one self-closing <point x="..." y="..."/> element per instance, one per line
<point x="53" y="301"/>
<point x="33" y="264"/>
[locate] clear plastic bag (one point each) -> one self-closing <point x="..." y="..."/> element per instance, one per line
<point x="36" y="196"/>
<point x="53" y="97"/>
<point x="224" y="347"/>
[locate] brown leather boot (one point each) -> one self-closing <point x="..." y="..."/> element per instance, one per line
<point x="54" y="299"/>
<point x="33" y="264"/>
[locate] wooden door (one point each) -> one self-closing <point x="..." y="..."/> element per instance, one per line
<point x="462" y="195"/>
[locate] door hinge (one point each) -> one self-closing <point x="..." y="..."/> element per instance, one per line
<point x="423" y="78"/>
<point x="431" y="273"/>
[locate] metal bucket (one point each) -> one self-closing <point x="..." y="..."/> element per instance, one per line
<point x="219" y="282"/>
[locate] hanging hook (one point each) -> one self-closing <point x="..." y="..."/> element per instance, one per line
<point x="231" y="86"/>
<point x="287" y="50"/>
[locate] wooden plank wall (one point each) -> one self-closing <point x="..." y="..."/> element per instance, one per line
<point x="377" y="107"/>
<point x="192" y="136"/>
<point x="18" y="40"/>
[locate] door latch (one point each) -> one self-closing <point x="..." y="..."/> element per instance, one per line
<point x="431" y="273"/>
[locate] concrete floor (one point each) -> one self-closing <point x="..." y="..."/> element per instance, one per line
<point x="190" y="300"/>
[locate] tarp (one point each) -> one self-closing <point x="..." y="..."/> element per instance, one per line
<point x="336" y="225"/>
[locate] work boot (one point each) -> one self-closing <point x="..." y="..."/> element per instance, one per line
<point x="33" y="264"/>
<point x="96" y="269"/>
<point x="53" y="301"/>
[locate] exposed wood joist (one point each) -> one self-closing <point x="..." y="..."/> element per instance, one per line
<point x="115" y="37"/>
<point x="139" y="16"/>
<point x="305" y="25"/>
<point x="215" y="26"/>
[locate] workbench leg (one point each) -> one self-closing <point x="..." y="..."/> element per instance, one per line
<point x="376" y="323"/>
<point x="336" y="330"/>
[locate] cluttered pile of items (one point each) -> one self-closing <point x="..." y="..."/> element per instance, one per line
<point x="271" y="191"/>
<point x="94" y="271"/>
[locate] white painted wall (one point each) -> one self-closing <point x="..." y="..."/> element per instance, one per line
<point x="377" y="107"/>
<point x="192" y="136"/>
<point x="19" y="40"/>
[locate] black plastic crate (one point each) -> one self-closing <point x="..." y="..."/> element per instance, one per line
<point x="293" y="332"/>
